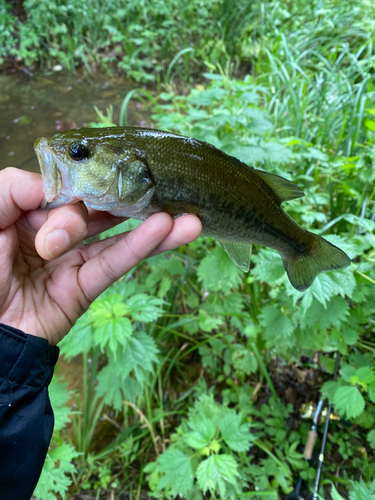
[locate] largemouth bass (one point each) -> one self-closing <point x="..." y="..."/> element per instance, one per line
<point x="136" y="172"/>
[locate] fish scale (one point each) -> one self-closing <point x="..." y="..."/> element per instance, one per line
<point x="136" y="172"/>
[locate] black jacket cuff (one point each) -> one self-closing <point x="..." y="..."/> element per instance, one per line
<point x="26" y="418"/>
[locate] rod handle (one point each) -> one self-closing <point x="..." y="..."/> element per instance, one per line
<point x="310" y="443"/>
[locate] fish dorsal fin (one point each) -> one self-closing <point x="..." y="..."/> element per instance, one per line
<point x="239" y="252"/>
<point x="285" y="190"/>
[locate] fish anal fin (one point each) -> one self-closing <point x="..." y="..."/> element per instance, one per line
<point x="239" y="252"/>
<point x="285" y="190"/>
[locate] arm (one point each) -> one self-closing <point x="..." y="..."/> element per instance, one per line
<point x="26" y="418"/>
<point x="48" y="279"/>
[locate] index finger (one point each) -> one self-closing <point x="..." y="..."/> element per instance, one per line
<point x="19" y="191"/>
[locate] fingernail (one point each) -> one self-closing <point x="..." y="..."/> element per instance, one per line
<point x="57" y="242"/>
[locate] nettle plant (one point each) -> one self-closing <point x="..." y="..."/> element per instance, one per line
<point x="336" y="313"/>
<point x="193" y="314"/>
<point x="175" y="354"/>
<point x="209" y="452"/>
<point x="59" y="464"/>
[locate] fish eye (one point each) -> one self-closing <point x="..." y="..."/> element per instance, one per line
<point x="78" y="152"/>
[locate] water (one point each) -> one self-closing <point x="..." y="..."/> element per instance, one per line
<point x="40" y="105"/>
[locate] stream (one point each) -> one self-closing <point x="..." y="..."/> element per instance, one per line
<point x="42" y="104"/>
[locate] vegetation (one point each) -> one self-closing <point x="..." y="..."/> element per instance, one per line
<point x="139" y="36"/>
<point x="190" y="367"/>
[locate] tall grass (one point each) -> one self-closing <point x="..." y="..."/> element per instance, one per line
<point x="319" y="75"/>
<point x="142" y="38"/>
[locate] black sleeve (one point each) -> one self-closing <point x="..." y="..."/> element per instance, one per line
<point x="26" y="417"/>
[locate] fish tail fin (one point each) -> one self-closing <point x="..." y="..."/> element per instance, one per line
<point x="303" y="268"/>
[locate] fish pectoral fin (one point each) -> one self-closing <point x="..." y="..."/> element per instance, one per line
<point x="239" y="252"/>
<point x="285" y="190"/>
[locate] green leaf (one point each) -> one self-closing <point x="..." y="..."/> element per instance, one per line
<point x="370" y="124"/>
<point x="208" y="323"/>
<point x="327" y="363"/>
<point x="349" y="335"/>
<point x="233" y="303"/>
<point x="53" y="479"/>
<point x="133" y="388"/>
<point x="236" y="435"/>
<point x="244" y="360"/>
<point x="218" y="272"/>
<point x="80" y="338"/>
<point x="110" y="384"/>
<point x="366" y="420"/>
<point x="357" y="359"/>
<point x="371" y="438"/>
<point x="359" y="491"/>
<point x="366" y="375"/>
<point x="323" y="288"/>
<point x="347" y="372"/>
<point x="202" y="432"/>
<point x="348" y="402"/>
<point x="269" y="266"/>
<point x="328" y="285"/>
<point x="325" y="316"/>
<point x="371" y="392"/>
<point x="59" y="396"/>
<point x="367" y="224"/>
<point x="207" y="406"/>
<point x="140" y="354"/>
<point x="164" y="287"/>
<point x="106" y="307"/>
<point x="113" y="333"/>
<point x="343" y="282"/>
<point x="178" y="474"/>
<point x="329" y="388"/>
<point x="208" y="273"/>
<point x="216" y="473"/>
<point x="144" y="307"/>
<point x="138" y="357"/>
<point x="276" y="325"/>
<point x="335" y="494"/>
<point x="338" y="310"/>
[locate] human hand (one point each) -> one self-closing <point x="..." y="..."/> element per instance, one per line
<point x="48" y="277"/>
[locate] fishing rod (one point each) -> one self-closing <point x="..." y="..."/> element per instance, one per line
<point x="324" y="439"/>
<point x="309" y="448"/>
<point x="311" y="440"/>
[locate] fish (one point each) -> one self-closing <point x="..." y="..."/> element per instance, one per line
<point x="136" y="172"/>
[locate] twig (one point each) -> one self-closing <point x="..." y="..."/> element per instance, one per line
<point x="146" y="422"/>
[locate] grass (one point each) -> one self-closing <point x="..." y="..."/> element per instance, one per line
<point x="212" y="355"/>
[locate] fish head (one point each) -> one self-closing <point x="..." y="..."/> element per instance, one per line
<point x="95" y="167"/>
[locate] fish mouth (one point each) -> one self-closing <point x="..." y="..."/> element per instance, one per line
<point x="50" y="173"/>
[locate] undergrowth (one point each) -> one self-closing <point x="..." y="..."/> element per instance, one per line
<point x="159" y="40"/>
<point x="141" y="38"/>
<point x="188" y="363"/>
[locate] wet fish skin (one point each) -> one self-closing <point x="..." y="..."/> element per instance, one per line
<point x="136" y="172"/>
